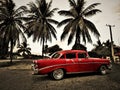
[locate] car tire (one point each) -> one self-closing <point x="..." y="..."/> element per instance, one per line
<point x="103" y="70"/>
<point x="57" y="74"/>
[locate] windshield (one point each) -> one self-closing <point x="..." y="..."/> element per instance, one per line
<point x="55" y="55"/>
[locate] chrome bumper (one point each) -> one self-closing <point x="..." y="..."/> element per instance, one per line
<point x="34" y="70"/>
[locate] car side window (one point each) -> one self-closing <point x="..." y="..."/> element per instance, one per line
<point x="82" y="55"/>
<point x="55" y="55"/>
<point x="70" y="55"/>
<point x="62" y="57"/>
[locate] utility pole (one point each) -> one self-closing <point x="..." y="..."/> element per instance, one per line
<point x="112" y="48"/>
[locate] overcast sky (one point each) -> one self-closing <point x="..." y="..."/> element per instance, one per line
<point x="109" y="15"/>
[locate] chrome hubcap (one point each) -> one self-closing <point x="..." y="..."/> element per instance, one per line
<point x="58" y="74"/>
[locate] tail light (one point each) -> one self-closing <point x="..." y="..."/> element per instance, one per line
<point x="35" y="64"/>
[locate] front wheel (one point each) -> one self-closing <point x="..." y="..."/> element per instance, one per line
<point x="57" y="74"/>
<point x="103" y="69"/>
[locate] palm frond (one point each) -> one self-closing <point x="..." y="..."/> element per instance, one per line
<point x="53" y="31"/>
<point x="71" y="36"/>
<point x="91" y="7"/>
<point x="21" y="11"/>
<point x="42" y="5"/>
<point x="65" y="13"/>
<point x="92" y="12"/>
<point x="80" y="2"/>
<point x="66" y="30"/>
<point x="33" y="8"/>
<point x="3" y="11"/>
<point x="64" y="22"/>
<point x="80" y="6"/>
<point x="26" y="19"/>
<point x="49" y="4"/>
<point x="2" y="17"/>
<point x="51" y="13"/>
<point x="87" y="35"/>
<point x="53" y="21"/>
<point x="92" y="28"/>
<point x="72" y="3"/>
<point x="22" y="8"/>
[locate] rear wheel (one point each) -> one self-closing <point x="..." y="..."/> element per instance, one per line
<point x="57" y="74"/>
<point x="103" y="69"/>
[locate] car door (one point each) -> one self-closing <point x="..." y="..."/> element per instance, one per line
<point x="72" y="63"/>
<point x="85" y="64"/>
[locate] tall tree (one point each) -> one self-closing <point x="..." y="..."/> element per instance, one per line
<point x="11" y="25"/>
<point x="40" y="23"/>
<point x="76" y="25"/>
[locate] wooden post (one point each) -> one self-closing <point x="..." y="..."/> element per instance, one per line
<point x="112" y="48"/>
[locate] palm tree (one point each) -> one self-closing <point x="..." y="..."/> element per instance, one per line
<point x="76" y="25"/>
<point x="24" y="49"/>
<point x="39" y="26"/>
<point x="11" y="25"/>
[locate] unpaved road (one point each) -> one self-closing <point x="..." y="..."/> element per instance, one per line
<point x="20" y="78"/>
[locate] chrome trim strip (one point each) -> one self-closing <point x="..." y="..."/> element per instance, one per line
<point x="51" y="66"/>
<point x="69" y="64"/>
<point x="79" y="72"/>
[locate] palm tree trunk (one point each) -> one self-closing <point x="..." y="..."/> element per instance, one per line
<point x="78" y="45"/>
<point x="43" y="48"/>
<point x="11" y="51"/>
<point x="77" y="41"/>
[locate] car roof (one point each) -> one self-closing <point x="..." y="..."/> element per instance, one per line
<point x="70" y="51"/>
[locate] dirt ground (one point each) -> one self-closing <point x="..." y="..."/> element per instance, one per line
<point x="19" y="77"/>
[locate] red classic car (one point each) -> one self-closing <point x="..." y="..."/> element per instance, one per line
<point x="70" y="61"/>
